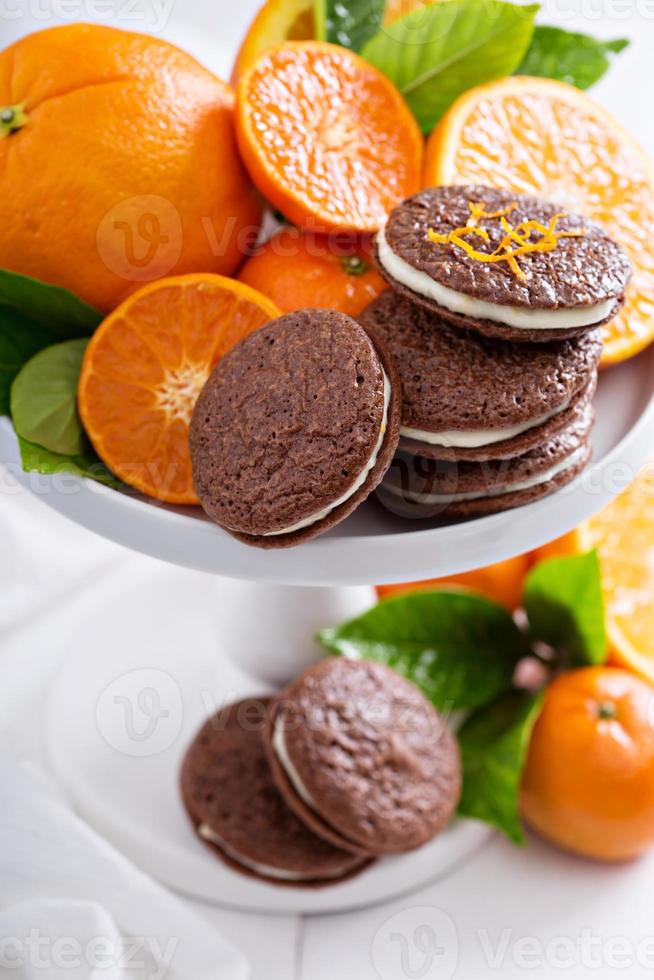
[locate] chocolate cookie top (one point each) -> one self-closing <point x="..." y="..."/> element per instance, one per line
<point x="359" y="751"/>
<point x="295" y="426"/>
<point x="236" y="808"/>
<point x="456" y="380"/>
<point x="580" y="271"/>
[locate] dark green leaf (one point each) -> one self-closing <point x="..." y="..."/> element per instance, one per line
<point x="44" y="398"/>
<point x="17" y="345"/>
<point x="437" y="52"/>
<point x="34" y="315"/>
<point x="35" y="459"/>
<point x="349" y="23"/>
<point x="563" y="601"/>
<point x="459" y="648"/>
<point x="494" y="743"/>
<point x="578" y="59"/>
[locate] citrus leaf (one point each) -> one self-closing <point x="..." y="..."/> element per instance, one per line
<point x="494" y="742"/>
<point x="17" y="345"/>
<point x="459" y="648"/>
<point x="44" y="398"/>
<point x="578" y="59"/>
<point x="349" y="23"/>
<point x="36" y="459"/>
<point x="34" y="315"/>
<point x="564" y="605"/>
<point x="439" y="51"/>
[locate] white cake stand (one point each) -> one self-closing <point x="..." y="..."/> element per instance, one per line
<point x="170" y="646"/>
<point x="162" y="649"/>
<point x="373" y="545"/>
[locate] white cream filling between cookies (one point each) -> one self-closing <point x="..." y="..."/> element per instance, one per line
<point x="445" y="498"/>
<point x="281" y="874"/>
<point x="473" y="438"/>
<point x="280" y="750"/>
<point x="360" y="480"/>
<point x="511" y="316"/>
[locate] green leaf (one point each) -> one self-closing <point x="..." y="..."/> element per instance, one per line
<point x="34" y="315"/>
<point x="36" y="459"/>
<point x="494" y="743"/>
<point x="564" y="604"/>
<point x="17" y="345"/>
<point x="437" y="52"/>
<point x="459" y="648"/>
<point x="44" y="399"/>
<point x="578" y="59"/>
<point x="349" y="23"/>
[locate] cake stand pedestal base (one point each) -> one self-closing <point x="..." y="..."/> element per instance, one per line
<point x="135" y="688"/>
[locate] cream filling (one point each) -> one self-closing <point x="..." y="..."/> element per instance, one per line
<point x="281" y="751"/>
<point x="444" y="498"/>
<point x="281" y="874"/>
<point x="473" y="438"/>
<point x="360" y="480"/>
<point x="511" y="316"/>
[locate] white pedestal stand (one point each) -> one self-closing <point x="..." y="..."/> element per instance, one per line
<point x="135" y="688"/>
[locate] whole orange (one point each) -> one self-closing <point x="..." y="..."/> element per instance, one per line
<point x="296" y="269"/>
<point x="502" y="582"/>
<point x="118" y="163"/>
<point x="588" y="784"/>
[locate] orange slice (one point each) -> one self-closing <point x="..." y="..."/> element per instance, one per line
<point x="275" y="22"/>
<point x="623" y="534"/>
<point x="145" y="367"/>
<point x="543" y="137"/>
<point x="326" y="137"/>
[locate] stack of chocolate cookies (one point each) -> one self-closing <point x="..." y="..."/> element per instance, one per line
<point x="348" y="763"/>
<point x="492" y="321"/>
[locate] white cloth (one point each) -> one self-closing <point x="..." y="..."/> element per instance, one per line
<point x="72" y="907"/>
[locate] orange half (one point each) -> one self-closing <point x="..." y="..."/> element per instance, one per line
<point x="145" y="367"/>
<point x="275" y="22"/>
<point x="326" y="137"/>
<point x="542" y="137"/>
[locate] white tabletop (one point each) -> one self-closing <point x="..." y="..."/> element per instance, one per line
<point x="507" y="912"/>
<point x="504" y="912"/>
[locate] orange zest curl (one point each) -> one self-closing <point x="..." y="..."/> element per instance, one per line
<point x="517" y="241"/>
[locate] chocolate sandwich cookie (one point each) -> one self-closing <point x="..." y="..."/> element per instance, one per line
<point x="362" y="757"/>
<point x="295" y="427"/>
<point x="506" y="265"/>
<point x="416" y="487"/>
<point x="239" y="813"/>
<point x="468" y="397"/>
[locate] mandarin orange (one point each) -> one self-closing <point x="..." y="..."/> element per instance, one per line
<point x="502" y="582"/>
<point x="588" y="784"/>
<point x="296" y="269"/>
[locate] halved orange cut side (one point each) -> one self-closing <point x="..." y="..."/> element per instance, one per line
<point x="275" y="22"/>
<point x="623" y="534"/>
<point x="326" y="137"/>
<point x="542" y="137"/>
<point x="145" y="366"/>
